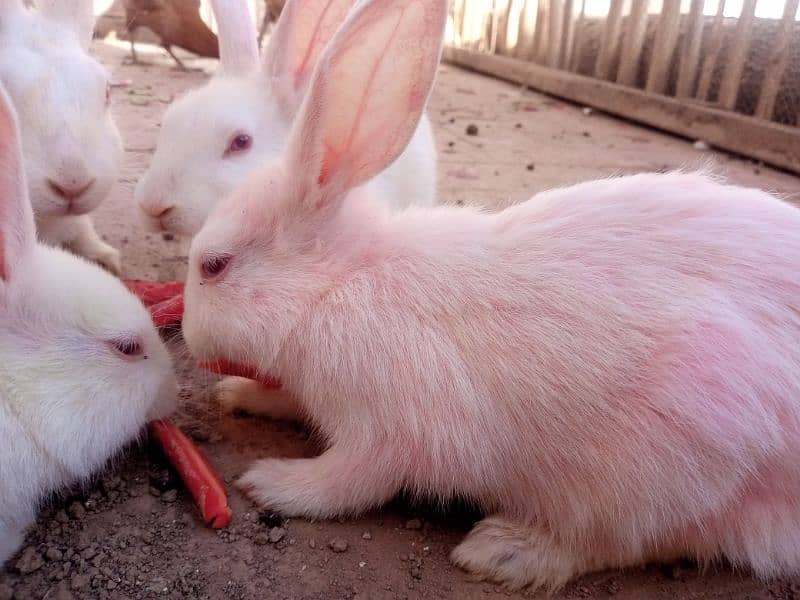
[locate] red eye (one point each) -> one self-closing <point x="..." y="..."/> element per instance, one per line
<point x="214" y="264"/>
<point x="127" y="345"/>
<point x="240" y="142"/>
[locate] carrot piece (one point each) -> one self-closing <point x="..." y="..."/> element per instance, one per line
<point x="153" y="292"/>
<point x="196" y="472"/>
<point x="167" y="312"/>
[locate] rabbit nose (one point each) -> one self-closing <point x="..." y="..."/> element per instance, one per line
<point x="70" y="191"/>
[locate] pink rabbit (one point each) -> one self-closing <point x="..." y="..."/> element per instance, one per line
<point x="611" y="370"/>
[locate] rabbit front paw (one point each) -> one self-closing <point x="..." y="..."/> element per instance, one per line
<point x="237" y="394"/>
<point x="106" y="256"/>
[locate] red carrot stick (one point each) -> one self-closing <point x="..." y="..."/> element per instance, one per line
<point x="153" y="292"/>
<point x="167" y="312"/>
<point x="196" y="472"/>
<point x="224" y="367"/>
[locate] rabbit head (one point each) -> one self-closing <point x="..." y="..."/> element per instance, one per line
<point x="213" y="137"/>
<point x="62" y="98"/>
<point x="274" y="246"/>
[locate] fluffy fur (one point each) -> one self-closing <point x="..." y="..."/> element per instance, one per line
<point x="69" y="400"/>
<point x="192" y="169"/>
<point x="69" y="139"/>
<point x="610" y="370"/>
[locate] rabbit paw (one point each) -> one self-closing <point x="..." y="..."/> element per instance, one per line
<point x="237" y="394"/>
<point x="106" y="256"/>
<point x="514" y="555"/>
<point x="274" y="484"/>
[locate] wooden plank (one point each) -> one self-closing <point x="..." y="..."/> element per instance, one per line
<point x="778" y="61"/>
<point x="494" y="18"/>
<point x="714" y="48"/>
<point x="764" y="140"/>
<point x="734" y="64"/>
<point x="610" y="41"/>
<point x="690" y="56"/>
<point x="664" y="47"/>
<point x="633" y="43"/>
<point x="577" y="42"/>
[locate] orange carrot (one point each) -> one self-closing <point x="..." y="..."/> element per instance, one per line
<point x="196" y="472"/>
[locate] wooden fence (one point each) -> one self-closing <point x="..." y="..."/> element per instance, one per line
<point x="723" y="71"/>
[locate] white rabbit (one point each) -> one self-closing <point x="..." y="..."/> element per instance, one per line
<point x="611" y="370"/>
<point x="71" y="145"/>
<point x="214" y="136"/>
<point x="82" y="368"/>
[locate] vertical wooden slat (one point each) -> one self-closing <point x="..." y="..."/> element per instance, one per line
<point x="690" y="55"/>
<point x="502" y="28"/>
<point x="610" y="42"/>
<point x="555" y="33"/>
<point x="494" y="21"/>
<point x="778" y="60"/>
<point x="527" y="23"/>
<point x="664" y="47"/>
<point x="732" y="75"/>
<point x="714" y="47"/>
<point x="577" y="41"/>
<point x="633" y="43"/>
<point x="568" y="30"/>
<point x="541" y="35"/>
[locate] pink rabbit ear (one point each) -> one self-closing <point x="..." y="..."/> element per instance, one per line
<point x="238" y="45"/>
<point x="367" y="94"/>
<point x="79" y="14"/>
<point x="17" y="230"/>
<point x="302" y="32"/>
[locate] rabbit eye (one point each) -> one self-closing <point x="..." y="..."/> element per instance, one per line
<point x="214" y="264"/>
<point x="127" y="345"/>
<point x="240" y="142"/>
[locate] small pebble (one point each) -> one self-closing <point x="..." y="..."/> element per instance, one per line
<point x="29" y="561"/>
<point x="472" y="129"/>
<point x="169" y="496"/>
<point x="414" y="524"/>
<point x="312" y="544"/>
<point x="366" y="535"/>
<point x="276" y="534"/>
<point x="53" y="553"/>
<point x="338" y="544"/>
<point x="587" y="110"/>
<point x="262" y="539"/>
<point x="76" y="511"/>
<point x="61" y="516"/>
<point x="79" y="583"/>
<point x="701" y="145"/>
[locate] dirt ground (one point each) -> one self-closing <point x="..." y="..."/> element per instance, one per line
<point x="134" y="532"/>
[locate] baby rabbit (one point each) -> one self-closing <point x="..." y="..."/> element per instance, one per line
<point x="610" y="370"/>
<point x="213" y="137"/>
<point x="81" y="365"/>
<point x="70" y="144"/>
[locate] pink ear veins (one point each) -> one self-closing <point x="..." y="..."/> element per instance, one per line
<point x="329" y="163"/>
<point x="305" y="64"/>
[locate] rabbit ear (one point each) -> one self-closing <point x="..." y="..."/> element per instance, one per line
<point x="238" y="46"/>
<point x="367" y="94"/>
<point x="17" y="230"/>
<point x="303" y="30"/>
<point x="78" y="14"/>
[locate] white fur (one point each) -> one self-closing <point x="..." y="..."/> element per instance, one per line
<point x="68" y="134"/>
<point x="190" y="173"/>
<point x="68" y="399"/>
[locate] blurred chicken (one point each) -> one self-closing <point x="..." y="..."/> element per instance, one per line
<point x="175" y="23"/>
